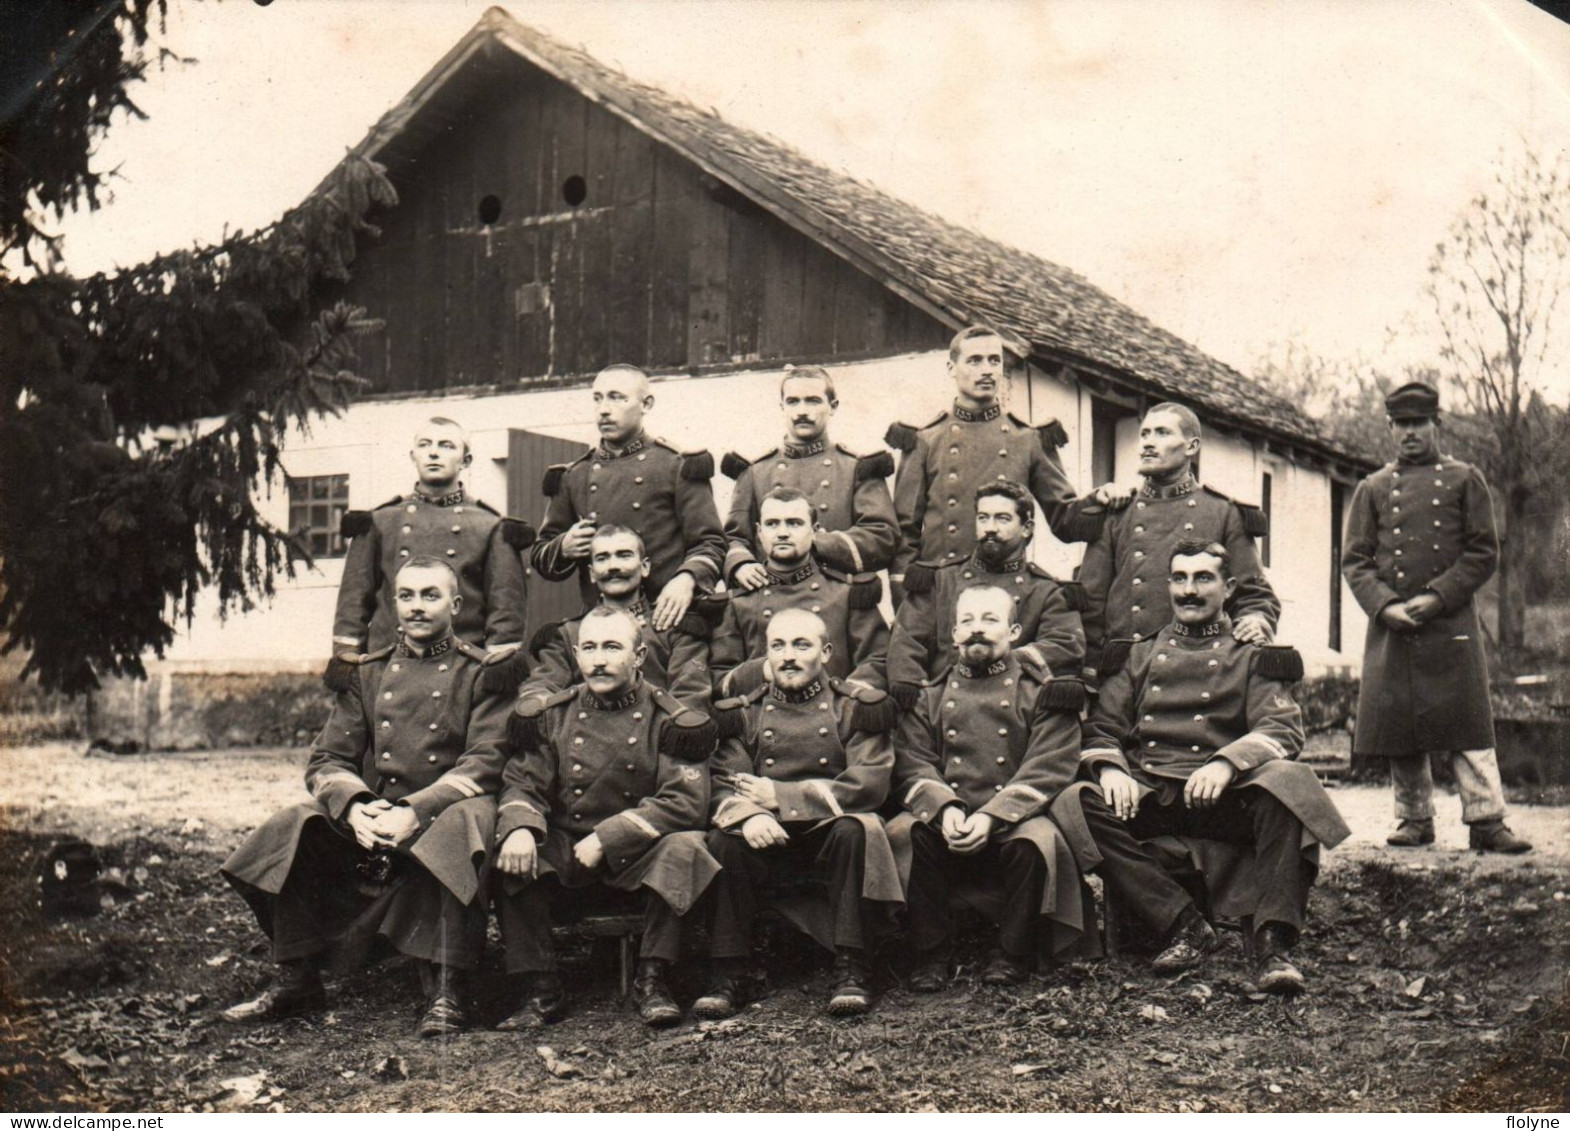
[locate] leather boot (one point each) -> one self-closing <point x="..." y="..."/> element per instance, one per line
<point x="445" y="1013"/>
<point x="728" y="989"/>
<point x="650" y="996"/>
<point x="297" y="991"/>
<point x="1005" y="969"/>
<point x="1410" y="834"/>
<point x="542" y="1004"/>
<point x="1190" y="940"/>
<point x="1275" y="973"/>
<point x="1495" y="836"/>
<point x="931" y="973"/>
<point x="850" y="986"/>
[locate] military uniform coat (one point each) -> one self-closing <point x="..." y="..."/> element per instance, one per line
<point x="946" y="460"/>
<point x="858" y="532"/>
<point x="678" y="658"/>
<point x="649" y="487"/>
<point x="623" y="770"/>
<point x="1125" y="567"/>
<point x="998" y="741"/>
<point x="1413" y="528"/>
<point x="413" y="729"/>
<point x="828" y="755"/>
<point x="849" y="609"/>
<point x="922" y="645"/>
<point x="481" y="546"/>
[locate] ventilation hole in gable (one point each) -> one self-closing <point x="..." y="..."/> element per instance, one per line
<point x="490" y="209"/>
<point x="574" y="190"/>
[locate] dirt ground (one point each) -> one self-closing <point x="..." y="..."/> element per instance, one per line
<point x="1439" y="980"/>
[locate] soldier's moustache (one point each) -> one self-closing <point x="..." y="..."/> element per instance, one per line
<point x="977" y="638"/>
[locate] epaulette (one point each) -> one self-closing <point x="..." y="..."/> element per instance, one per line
<point x="354" y="523"/>
<point x="730" y="714"/>
<point x="905" y="695"/>
<point x="392" y="502"/>
<point x="866" y="592"/>
<point x="919" y="578"/>
<point x="341" y="669"/>
<point x="711" y="606"/>
<point x="502" y="672"/>
<point x="470" y="650"/>
<point x="1039" y="571"/>
<point x="550" y="486"/>
<point x="1062" y="694"/>
<point x="694" y="623"/>
<point x="1114" y="654"/>
<point x="872" y="711"/>
<point x="879" y="465"/>
<point x="902" y="437"/>
<point x="545" y="634"/>
<point x="1279" y="662"/>
<point x="486" y="507"/>
<point x="697" y="466"/>
<point x="1052" y="435"/>
<point x="517" y="533"/>
<point x="1082" y="526"/>
<point x="687" y="735"/>
<point x="732" y="465"/>
<point x="523" y="725"/>
<point x="1256" y="523"/>
<point x="1074" y="594"/>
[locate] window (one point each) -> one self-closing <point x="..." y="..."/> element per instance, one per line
<point x="1104" y="419"/>
<point x="316" y="507"/>
<point x="1337" y="512"/>
<point x="1264" y="505"/>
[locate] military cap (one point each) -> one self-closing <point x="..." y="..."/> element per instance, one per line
<point x="1413" y="399"/>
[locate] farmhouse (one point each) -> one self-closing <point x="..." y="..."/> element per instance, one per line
<point x="556" y="215"/>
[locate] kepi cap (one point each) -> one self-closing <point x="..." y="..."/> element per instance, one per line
<point x="1413" y="399"/>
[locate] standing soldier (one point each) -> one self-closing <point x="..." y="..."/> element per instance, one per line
<point x="977" y="763"/>
<point x="856" y="528"/>
<point x="796" y="791"/>
<point x="402" y="780"/>
<point x="975" y="442"/>
<point x="606" y="786"/>
<point x="1051" y="639"/>
<point x="849" y="608"/>
<point x="677" y="659"/>
<point x="1420" y="540"/>
<point x="438" y="520"/>
<point x="1124" y="568"/>
<point x="636" y="481"/>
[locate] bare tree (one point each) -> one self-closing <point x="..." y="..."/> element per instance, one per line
<point x="1494" y="283"/>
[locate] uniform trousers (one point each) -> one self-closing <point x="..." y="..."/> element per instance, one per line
<point x="330" y="907"/>
<point x="1477" y="781"/>
<point x="1246" y="815"/>
<point x="834" y="849"/>
<point x="935" y="871"/>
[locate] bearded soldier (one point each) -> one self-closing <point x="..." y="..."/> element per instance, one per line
<point x="1420" y="541"/>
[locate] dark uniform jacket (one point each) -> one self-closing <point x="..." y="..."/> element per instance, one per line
<point x="678" y="658"/>
<point x="1125" y="567"/>
<point x="850" y="502"/>
<point x="946" y="460"/>
<point x="849" y="609"/>
<point x="649" y="487"/>
<point x="624" y="770"/>
<point x="1413" y="528"/>
<point x="922" y="645"/>
<point x="481" y="546"/>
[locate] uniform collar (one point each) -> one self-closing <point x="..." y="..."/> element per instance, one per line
<point x="800" y="695"/>
<point x="639" y="609"/>
<point x="802" y="451"/>
<point x="996" y="667"/>
<point x="972" y="416"/>
<point x="619" y="704"/>
<point x="633" y="446"/>
<point x="1437" y="460"/>
<point x="412" y="651"/>
<point x="451" y="499"/>
<point x="1013" y="565"/>
<point x="1218" y="627"/>
<point x="795" y="576"/>
<point x="1185" y="486"/>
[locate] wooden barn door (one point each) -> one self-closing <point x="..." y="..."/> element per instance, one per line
<point x="528" y="455"/>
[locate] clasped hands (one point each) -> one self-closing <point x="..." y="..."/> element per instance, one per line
<point x="965" y="833"/>
<point x="1411" y="614"/>
<point x="380" y="824"/>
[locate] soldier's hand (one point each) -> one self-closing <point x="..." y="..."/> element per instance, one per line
<point x="589" y="851"/>
<point x="762" y="831"/>
<point x="1204" y="785"/>
<point x="519" y="855"/>
<point x="1120" y="792"/>
<point x="673" y="601"/>
<point x="1424" y="607"/>
<point x="759" y="791"/>
<point x="396" y="824"/>
<point x="750" y="577"/>
<point x="1251" y="628"/>
<point x="360" y="818"/>
<point x="1395" y="617"/>
<point x="575" y="542"/>
<point x="1113" y="495"/>
<point x="973" y="836"/>
<point x="952" y="821"/>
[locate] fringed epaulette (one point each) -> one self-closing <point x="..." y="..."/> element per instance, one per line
<point x="545" y="634"/>
<point x="919" y="578"/>
<point x="550" y="486"/>
<point x="900" y="437"/>
<point x="342" y="668"/>
<point x="711" y="607"/>
<point x="523" y="725"/>
<point x="688" y="735"/>
<point x="879" y="465"/>
<point x="1114" y="654"/>
<point x="694" y="623"/>
<point x="354" y="523"/>
<point x="1256" y="523"/>
<point x="1062" y="694"/>
<point x="1083" y="526"/>
<point x="905" y="695"/>
<point x="1074" y="594"/>
<point x="730" y="715"/>
<point x="1280" y="662"/>
<point x="501" y="672"/>
<point x="866" y="591"/>
<point x="1052" y="435"/>
<point x="871" y="710"/>
<point x="517" y="533"/>
<point x="732" y="465"/>
<point x="697" y="466"/>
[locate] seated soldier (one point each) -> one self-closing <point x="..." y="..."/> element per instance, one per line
<point x="978" y="760"/>
<point x="849" y="608"/>
<point x="1195" y="738"/>
<point x="678" y="658"/>
<point x="796" y="791"/>
<point x="1050" y="635"/>
<point x="606" y="786"/>
<point x="403" y="778"/>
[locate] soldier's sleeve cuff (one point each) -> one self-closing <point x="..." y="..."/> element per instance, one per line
<point x="1016" y="803"/>
<point x="625" y="837"/>
<point x="1253" y="749"/>
<point x="926" y="799"/>
<point x="429" y="802"/>
<point x="514" y="815"/>
<point x="734" y="812"/>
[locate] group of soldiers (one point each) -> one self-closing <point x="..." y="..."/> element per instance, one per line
<point x="731" y="723"/>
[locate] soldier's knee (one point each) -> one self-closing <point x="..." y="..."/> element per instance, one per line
<point x="847" y="832"/>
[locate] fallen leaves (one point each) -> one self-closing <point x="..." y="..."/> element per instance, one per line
<point x="561" y="1069"/>
<point x="390" y="1069"/>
